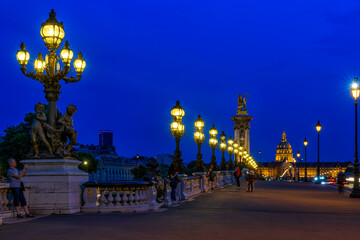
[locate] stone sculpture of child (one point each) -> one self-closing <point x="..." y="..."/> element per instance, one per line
<point x="67" y="121"/>
<point x="38" y="131"/>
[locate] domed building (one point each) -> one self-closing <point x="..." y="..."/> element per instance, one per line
<point x="284" y="151"/>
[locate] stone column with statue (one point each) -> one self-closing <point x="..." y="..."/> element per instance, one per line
<point x="242" y="124"/>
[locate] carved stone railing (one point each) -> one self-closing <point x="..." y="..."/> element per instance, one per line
<point x="127" y="196"/>
<point x="140" y="196"/>
<point x="6" y="201"/>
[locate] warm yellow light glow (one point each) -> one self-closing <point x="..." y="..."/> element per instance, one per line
<point x="236" y="151"/>
<point x="213" y="131"/>
<point x="235" y="145"/>
<point x="318" y="126"/>
<point x="230" y="141"/>
<point x="355" y="89"/>
<point x="66" y="54"/>
<point x="213" y="142"/>
<point x="52" y="32"/>
<point x="39" y="64"/>
<point x="230" y="149"/>
<point x="79" y="64"/>
<point x="22" y="55"/>
<point x="199" y="124"/>
<point x="223" y="146"/>
<point x="199" y="137"/>
<point x="85" y="162"/>
<point x="298" y="154"/>
<point x="305" y="142"/>
<point x="177" y="112"/>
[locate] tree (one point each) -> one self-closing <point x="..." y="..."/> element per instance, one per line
<point x="16" y="142"/>
<point x="88" y="162"/>
<point x="199" y="166"/>
<point x="190" y="168"/>
<point x="139" y="172"/>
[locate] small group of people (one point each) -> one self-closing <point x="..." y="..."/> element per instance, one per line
<point x="173" y="176"/>
<point x="247" y="175"/>
<point x="17" y="188"/>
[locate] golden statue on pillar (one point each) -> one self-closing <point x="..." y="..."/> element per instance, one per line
<point x="242" y="101"/>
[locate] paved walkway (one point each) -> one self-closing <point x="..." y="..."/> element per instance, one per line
<point x="276" y="210"/>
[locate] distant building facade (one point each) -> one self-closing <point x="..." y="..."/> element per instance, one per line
<point x="284" y="151"/>
<point x="106" y="138"/>
<point x="285" y="167"/>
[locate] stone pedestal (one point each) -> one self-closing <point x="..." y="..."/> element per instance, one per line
<point x="55" y="185"/>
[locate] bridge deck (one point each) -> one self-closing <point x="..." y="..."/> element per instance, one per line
<point x="273" y="211"/>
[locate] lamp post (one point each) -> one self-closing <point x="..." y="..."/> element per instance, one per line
<point x="298" y="163"/>
<point x="199" y="138"/>
<point x="305" y="144"/>
<point x="48" y="71"/>
<point x="230" y="149"/>
<point x="236" y="153"/>
<point x="223" y="148"/>
<point x="213" y="143"/>
<point x="355" y="90"/>
<point x="260" y="165"/>
<point x="318" y="129"/>
<point x="177" y="129"/>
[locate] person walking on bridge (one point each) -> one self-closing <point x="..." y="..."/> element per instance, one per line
<point x="238" y="175"/>
<point x="250" y="181"/>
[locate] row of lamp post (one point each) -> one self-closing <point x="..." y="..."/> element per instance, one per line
<point x="177" y="129"/>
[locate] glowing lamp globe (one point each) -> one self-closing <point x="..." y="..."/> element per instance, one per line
<point x="177" y="112"/>
<point x="213" y="131"/>
<point x="79" y="64"/>
<point x="66" y="54"/>
<point x="199" y="124"/>
<point x="355" y="89"/>
<point x="305" y="142"/>
<point x="52" y="32"/>
<point x="318" y="126"/>
<point x="22" y="55"/>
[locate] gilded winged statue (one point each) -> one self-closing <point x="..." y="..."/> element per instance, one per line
<point x="242" y="100"/>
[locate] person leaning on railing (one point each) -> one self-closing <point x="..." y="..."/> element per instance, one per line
<point x="17" y="187"/>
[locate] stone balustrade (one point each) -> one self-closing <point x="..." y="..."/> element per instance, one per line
<point x="140" y="196"/>
<point x="6" y="201"/>
<point x="112" y="174"/>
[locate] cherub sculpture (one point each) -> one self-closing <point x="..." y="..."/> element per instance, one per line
<point x="38" y="131"/>
<point x="66" y="121"/>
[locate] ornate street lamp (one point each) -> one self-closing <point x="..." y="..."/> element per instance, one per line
<point x="48" y="71"/>
<point x="355" y="91"/>
<point x="213" y="143"/>
<point x="177" y="129"/>
<point x="305" y="144"/>
<point x="230" y="150"/>
<point x="318" y="129"/>
<point x="236" y="153"/>
<point x="199" y="138"/>
<point x="223" y="148"/>
<point x="298" y="156"/>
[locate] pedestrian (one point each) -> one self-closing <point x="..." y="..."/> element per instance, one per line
<point x="237" y="175"/>
<point x="211" y="176"/>
<point x="250" y="181"/>
<point x="341" y="179"/>
<point x="17" y="188"/>
<point x="173" y="175"/>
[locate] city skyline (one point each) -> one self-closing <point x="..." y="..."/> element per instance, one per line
<point x="297" y="65"/>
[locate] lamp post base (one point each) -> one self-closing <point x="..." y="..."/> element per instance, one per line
<point x="355" y="193"/>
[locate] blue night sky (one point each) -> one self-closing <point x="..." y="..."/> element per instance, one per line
<point x="296" y="58"/>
